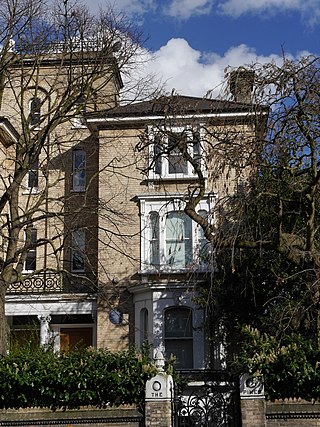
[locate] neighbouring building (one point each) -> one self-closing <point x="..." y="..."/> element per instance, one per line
<point x="117" y="258"/>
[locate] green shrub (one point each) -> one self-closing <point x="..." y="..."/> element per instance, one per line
<point x="290" y="366"/>
<point x="99" y="378"/>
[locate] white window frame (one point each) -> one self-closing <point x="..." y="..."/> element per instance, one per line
<point x="149" y="204"/>
<point x="182" y="340"/>
<point x="165" y="174"/>
<point x="78" y="122"/>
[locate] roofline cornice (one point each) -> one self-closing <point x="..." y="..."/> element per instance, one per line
<point x="131" y="119"/>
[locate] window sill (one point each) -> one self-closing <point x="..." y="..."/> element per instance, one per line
<point x="32" y="191"/>
<point x="78" y="126"/>
<point x="173" y="178"/>
<point x="175" y="271"/>
<point x="78" y="191"/>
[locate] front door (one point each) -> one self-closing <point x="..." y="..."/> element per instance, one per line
<point x="71" y="338"/>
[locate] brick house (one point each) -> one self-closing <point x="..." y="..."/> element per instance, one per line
<point x="53" y="294"/>
<point x="119" y="258"/>
<point x="158" y="253"/>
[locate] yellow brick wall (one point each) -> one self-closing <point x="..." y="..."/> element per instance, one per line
<point x="121" y="178"/>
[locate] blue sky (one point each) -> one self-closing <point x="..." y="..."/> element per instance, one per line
<point x="191" y="42"/>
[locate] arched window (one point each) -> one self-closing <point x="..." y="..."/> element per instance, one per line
<point x="203" y="243"/>
<point x="170" y="239"/>
<point x="144" y="331"/>
<point x="178" y="239"/>
<point x="178" y="335"/>
<point x="35" y="111"/>
<point x="154" y="239"/>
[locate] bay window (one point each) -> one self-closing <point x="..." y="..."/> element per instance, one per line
<point x="154" y="239"/>
<point x="203" y="249"/>
<point x="178" y="336"/>
<point x="178" y="239"/>
<point x="170" y="240"/>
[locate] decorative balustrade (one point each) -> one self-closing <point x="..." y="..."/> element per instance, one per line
<point x="47" y="282"/>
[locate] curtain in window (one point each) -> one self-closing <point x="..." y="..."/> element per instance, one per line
<point x="177" y="163"/>
<point x="154" y="239"/>
<point x="178" y="251"/>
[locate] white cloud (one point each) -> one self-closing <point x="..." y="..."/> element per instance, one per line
<point x="131" y="8"/>
<point x="184" y="9"/>
<point x="190" y="72"/>
<point x="135" y="7"/>
<point x="238" y="7"/>
<point x="309" y="9"/>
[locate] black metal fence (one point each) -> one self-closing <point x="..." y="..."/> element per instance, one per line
<point x="53" y="282"/>
<point x="209" y="398"/>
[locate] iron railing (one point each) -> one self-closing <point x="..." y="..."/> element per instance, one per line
<point x="42" y="283"/>
<point x="210" y="399"/>
<point x="53" y="282"/>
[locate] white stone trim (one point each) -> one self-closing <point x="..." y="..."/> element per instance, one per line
<point x="24" y="305"/>
<point x="163" y="205"/>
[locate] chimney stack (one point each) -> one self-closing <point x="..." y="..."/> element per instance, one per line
<point x="241" y="85"/>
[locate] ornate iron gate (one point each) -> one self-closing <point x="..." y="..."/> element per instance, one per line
<point x="210" y="399"/>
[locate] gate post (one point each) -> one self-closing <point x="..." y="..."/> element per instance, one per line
<point x="253" y="404"/>
<point x="159" y="390"/>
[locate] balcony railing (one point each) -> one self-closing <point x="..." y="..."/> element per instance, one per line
<point x="50" y="281"/>
<point x="44" y="283"/>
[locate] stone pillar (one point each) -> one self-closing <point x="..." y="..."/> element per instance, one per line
<point x="159" y="394"/>
<point x="253" y="404"/>
<point x="44" y="329"/>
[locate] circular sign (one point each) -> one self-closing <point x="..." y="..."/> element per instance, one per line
<point x="156" y="386"/>
<point x="115" y="316"/>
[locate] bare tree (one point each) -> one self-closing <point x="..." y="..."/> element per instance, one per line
<point x="263" y="165"/>
<point x="56" y="64"/>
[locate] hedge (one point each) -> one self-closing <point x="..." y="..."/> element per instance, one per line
<point x="98" y="378"/>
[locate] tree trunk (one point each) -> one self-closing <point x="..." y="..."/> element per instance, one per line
<point x="3" y="322"/>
